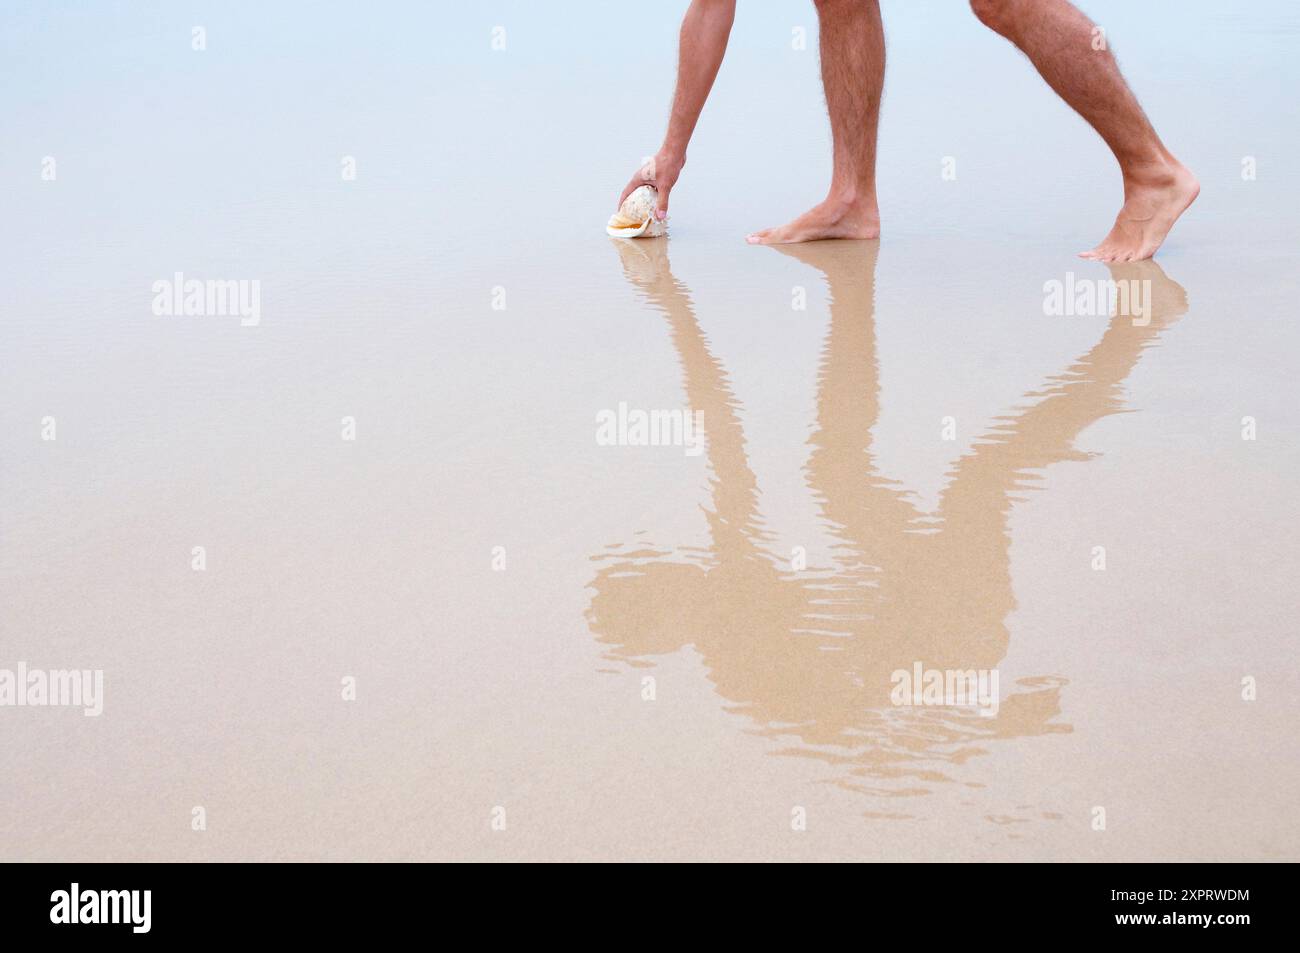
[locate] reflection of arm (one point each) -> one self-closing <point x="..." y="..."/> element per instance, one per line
<point x="734" y="523"/>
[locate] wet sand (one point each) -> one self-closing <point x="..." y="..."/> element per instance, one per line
<point x="633" y="652"/>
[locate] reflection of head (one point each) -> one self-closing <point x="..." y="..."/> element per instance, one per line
<point x="809" y="655"/>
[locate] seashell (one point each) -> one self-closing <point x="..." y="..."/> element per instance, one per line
<point x="635" y="218"/>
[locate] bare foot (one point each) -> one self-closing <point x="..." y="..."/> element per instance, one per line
<point x="834" y="218"/>
<point x="1151" y="206"/>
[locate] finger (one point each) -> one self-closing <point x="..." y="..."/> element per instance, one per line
<point x="661" y="210"/>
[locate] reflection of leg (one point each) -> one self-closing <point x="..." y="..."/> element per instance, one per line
<point x="853" y="74"/>
<point x="848" y="392"/>
<point x="869" y="513"/>
<point x="1059" y="41"/>
<point x="848" y="389"/>
<point x="1044" y="432"/>
<point x="972" y="549"/>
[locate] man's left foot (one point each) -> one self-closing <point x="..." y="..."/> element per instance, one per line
<point x="834" y="218"/>
<point x="1151" y="206"/>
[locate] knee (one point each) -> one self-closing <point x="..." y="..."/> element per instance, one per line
<point x="994" y="14"/>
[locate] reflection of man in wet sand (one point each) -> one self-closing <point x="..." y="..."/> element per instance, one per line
<point x="809" y="655"/>
<point x="1059" y="40"/>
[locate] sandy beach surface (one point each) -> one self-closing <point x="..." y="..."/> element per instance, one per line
<point x="566" y="647"/>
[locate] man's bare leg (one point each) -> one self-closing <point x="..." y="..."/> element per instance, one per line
<point x="853" y="73"/>
<point x="1058" y="39"/>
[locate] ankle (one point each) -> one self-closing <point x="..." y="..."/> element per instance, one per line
<point x="1159" y="171"/>
<point x="850" y="202"/>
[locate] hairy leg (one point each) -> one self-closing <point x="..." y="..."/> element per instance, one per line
<point x="1077" y="63"/>
<point x="852" y="40"/>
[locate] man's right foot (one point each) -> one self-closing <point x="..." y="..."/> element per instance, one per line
<point x="834" y="218"/>
<point x="1152" y="203"/>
